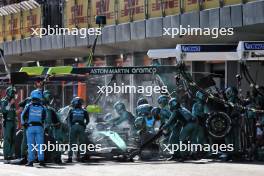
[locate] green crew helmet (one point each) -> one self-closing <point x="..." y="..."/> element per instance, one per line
<point x="119" y="107"/>
<point x="163" y="100"/>
<point x="47" y="96"/>
<point x="200" y="96"/>
<point x="77" y="102"/>
<point x="11" y="92"/>
<point x="142" y="101"/>
<point x="231" y="92"/>
<point x="174" y="104"/>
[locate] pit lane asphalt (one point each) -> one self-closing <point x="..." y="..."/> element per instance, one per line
<point x="138" y="168"/>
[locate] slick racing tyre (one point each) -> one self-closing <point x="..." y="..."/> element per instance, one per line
<point x="18" y="139"/>
<point x="218" y="124"/>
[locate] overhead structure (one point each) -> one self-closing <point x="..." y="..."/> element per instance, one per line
<point x="248" y="50"/>
<point x="17" y="7"/>
<point x="197" y="52"/>
<point x="245" y="50"/>
<point x="161" y="53"/>
<point x="206" y="52"/>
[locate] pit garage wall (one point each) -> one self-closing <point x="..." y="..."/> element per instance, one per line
<point x="232" y="68"/>
<point x="256" y="69"/>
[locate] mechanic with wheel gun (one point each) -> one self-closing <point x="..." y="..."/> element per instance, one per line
<point x="8" y="109"/>
<point x="78" y="119"/>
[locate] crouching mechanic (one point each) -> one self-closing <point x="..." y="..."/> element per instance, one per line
<point x="200" y="111"/>
<point x="145" y="122"/>
<point x="188" y="132"/>
<point x="33" y="117"/>
<point x="78" y="119"/>
<point x="8" y="109"/>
